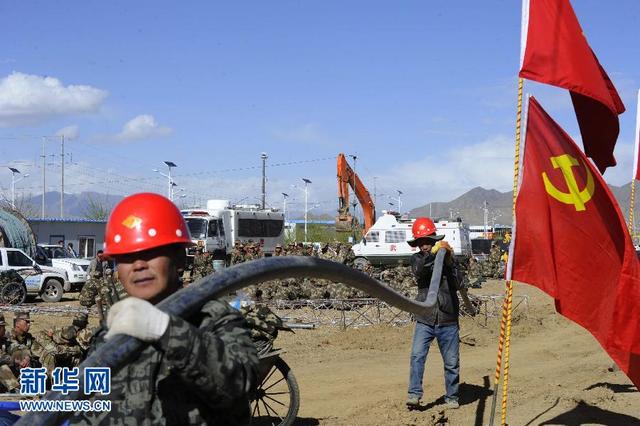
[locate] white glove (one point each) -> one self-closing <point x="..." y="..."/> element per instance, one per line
<point x="137" y="318"/>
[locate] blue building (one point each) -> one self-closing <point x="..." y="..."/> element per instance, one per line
<point x="86" y="235"/>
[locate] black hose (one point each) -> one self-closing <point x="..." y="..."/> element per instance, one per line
<point x="121" y="349"/>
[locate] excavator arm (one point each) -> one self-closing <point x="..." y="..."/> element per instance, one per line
<point x="347" y="177"/>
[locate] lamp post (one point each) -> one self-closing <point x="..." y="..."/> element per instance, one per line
<point x="284" y="205"/>
<point x="14" y="172"/>
<point x="399" y="201"/>
<point x="264" y="178"/>
<point x="306" y="198"/>
<point x="171" y="183"/>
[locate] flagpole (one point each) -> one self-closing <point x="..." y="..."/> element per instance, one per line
<point x="504" y="342"/>
<point x="636" y="152"/>
<point x="631" y="206"/>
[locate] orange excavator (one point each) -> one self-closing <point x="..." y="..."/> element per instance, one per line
<point x="345" y="222"/>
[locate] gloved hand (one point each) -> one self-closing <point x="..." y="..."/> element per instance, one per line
<point x="137" y="318"/>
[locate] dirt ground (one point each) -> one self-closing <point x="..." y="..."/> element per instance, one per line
<point x="559" y="374"/>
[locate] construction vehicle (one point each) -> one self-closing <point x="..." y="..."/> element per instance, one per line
<point x="345" y="222"/>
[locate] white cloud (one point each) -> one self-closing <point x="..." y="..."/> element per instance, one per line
<point x="30" y="99"/>
<point x="143" y="126"/>
<point x="69" y="132"/>
<point x="447" y="173"/>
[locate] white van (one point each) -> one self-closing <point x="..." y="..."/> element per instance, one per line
<point x="385" y="244"/>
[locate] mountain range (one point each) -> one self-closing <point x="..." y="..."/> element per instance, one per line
<point x="468" y="206"/>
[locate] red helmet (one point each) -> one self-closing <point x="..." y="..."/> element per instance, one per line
<point x="423" y="227"/>
<point x="144" y="221"/>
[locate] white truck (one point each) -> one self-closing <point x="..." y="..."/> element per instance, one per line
<point x="57" y="257"/>
<point x="217" y="227"/>
<point x="47" y="282"/>
<point x="385" y="243"/>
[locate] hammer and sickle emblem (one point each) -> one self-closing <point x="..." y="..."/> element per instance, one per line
<point x="575" y="196"/>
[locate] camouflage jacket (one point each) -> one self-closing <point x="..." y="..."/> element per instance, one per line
<point x="109" y="290"/>
<point x="5" y="351"/>
<point x="26" y="341"/>
<point x="202" y="266"/>
<point x="56" y="351"/>
<point x="200" y="372"/>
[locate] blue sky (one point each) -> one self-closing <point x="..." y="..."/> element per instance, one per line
<point x="423" y="92"/>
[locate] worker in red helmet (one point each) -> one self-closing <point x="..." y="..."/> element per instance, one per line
<point x="442" y="322"/>
<point x="196" y="370"/>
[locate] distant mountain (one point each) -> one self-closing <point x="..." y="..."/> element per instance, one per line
<point x="82" y="205"/>
<point x="469" y="206"/>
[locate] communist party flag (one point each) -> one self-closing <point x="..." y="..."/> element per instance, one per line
<point x="570" y="240"/>
<point x="556" y="52"/>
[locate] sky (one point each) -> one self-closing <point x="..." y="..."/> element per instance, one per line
<point x="423" y="93"/>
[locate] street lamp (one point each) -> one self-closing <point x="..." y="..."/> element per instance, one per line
<point x="264" y="178"/>
<point x="306" y="197"/>
<point x="284" y="205"/>
<point x="399" y="201"/>
<point x="15" y="171"/>
<point x="170" y="165"/>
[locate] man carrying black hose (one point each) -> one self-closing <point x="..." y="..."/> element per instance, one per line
<point x="195" y="371"/>
<point x="441" y="322"/>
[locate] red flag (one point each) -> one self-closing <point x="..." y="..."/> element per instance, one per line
<point x="557" y="53"/>
<point x="570" y="240"/>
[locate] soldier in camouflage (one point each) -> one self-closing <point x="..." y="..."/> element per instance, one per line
<point x="237" y="255"/>
<point x="195" y="371"/>
<point x="83" y="333"/>
<point x="60" y="348"/>
<point x="106" y="290"/>
<point x="8" y="381"/>
<point x="202" y="265"/>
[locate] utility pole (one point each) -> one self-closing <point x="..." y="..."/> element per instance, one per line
<point x="306" y="210"/>
<point x="375" y="192"/>
<point x="264" y="179"/>
<point x="62" y="176"/>
<point x="486" y="219"/>
<point x="44" y="174"/>
<point x="284" y="205"/>
<point x="399" y="201"/>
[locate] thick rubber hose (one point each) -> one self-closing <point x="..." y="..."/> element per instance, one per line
<point x="121" y="349"/>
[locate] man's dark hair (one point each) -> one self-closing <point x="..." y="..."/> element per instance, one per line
<point x="100" y="252"/>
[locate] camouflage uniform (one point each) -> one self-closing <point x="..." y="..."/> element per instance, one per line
<point x="202" y="266"/>
<point x="8" y="380"/>
<point x="106" y="288"/>
<point x="26" y="342"/>
<point x="60" y="348"/>
<point x="237" y="255"/>
<point x="83" y="334"/>
<point x="198" y="373"/>
<point x="263" y="325"/>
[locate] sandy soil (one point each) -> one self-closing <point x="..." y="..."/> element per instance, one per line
<point x="559" y="374"/>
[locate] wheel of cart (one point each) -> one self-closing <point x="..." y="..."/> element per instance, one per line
<point x="277" y="398"/>
<point x="13" y="293"/>
<point x="13" y="290"/>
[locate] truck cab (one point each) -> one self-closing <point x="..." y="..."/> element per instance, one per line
<point x="47" y="282"/>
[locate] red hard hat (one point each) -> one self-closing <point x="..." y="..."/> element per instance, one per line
<point x="423" y="227"/>
<point x="142" y="222"/>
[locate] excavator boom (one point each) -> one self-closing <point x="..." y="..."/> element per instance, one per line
<point x="345" y="222"/>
